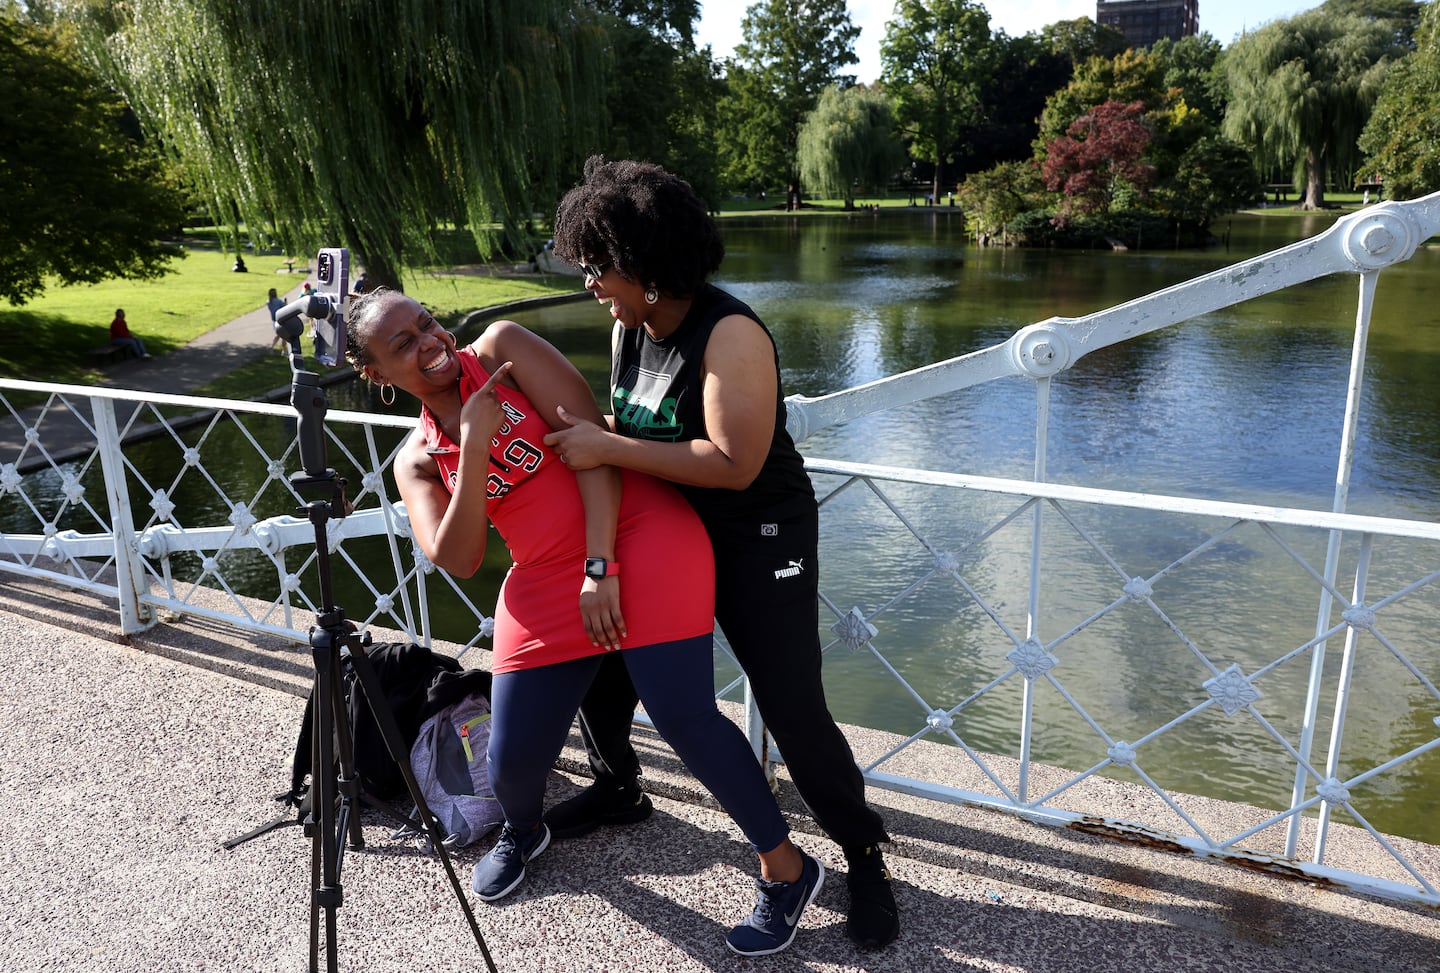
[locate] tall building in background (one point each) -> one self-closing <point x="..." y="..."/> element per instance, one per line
<point x="1143" y="22"/>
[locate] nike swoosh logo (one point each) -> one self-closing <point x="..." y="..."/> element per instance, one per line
<point x="790" y="918"/>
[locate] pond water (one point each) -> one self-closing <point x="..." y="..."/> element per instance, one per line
<point x="1242" y="404"/>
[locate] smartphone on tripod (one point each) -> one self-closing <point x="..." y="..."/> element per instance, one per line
<point x="333" y="275"/>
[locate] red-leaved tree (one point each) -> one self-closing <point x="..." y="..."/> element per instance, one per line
<point x="1098" y="155"/>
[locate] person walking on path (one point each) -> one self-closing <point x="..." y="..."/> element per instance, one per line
<point x="274" y="304"/>
<point x="697" y="400"/>
<point x="120" y="335"/>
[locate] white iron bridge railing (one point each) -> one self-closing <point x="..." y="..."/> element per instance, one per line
<point x="1043" y="640"/>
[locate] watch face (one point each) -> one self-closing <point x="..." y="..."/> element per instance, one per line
<point x="595" y="567"/>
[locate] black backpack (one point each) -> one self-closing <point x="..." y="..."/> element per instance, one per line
<point x="416" y="683"/>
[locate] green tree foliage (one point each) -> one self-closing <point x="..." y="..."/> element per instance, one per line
<point x="935" y="59"/>
<point x="672" y="20"/>
<point x="1132" y="75"/>
<point x="849" y="142"/>
<point x="1401" y="17"/>
<point x="792" y="50"/>
<point x="1191" y="65"/>
<point x="1100" y="157"/>
<point x="676" y="86"/>
<point x="1400" y="137"/>
<point x="364" y="122"/>
<point x="994" y="198"/>
<point x="82" y="201"/>
<point x="752" y="126"/>
<point x="1301" y="91"/>
<point x="1183" y="90"/>
<point x="1213" y="176"/>
<point x="1081" y="39"/>
<point x="693" y="151"/>
<point x="1026" y="71"/>
<point x="1146" y="166"/>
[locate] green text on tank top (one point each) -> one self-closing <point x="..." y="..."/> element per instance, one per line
<point x="657" y="395"/>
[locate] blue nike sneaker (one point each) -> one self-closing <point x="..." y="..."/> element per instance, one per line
<point x="497" y="874"/>
<point x="771" y="927"/>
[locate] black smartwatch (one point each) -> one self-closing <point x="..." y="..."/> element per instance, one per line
<point x="598" y="568"/>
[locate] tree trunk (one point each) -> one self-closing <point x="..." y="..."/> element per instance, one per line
<point x="379" y="272"/>
<point x="1314" y="180"/>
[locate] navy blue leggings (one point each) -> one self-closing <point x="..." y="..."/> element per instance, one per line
<point x="532" y="709"/>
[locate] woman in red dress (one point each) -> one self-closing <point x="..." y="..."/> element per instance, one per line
<point x="605" y="562"/>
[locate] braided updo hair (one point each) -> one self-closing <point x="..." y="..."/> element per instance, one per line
<point x="360" y="321"/>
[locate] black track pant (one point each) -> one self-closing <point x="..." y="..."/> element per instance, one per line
<point x="766" y="602"/>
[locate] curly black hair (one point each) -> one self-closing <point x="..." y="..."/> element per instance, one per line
<point x="645" y="221"/>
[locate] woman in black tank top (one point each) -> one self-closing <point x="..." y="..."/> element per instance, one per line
<point x="696" y="399"/>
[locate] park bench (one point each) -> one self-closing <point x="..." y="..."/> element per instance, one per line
<point x="108" y="354"/>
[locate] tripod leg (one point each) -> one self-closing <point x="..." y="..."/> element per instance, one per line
<point x="325" y="640"/>
<point x="316" y="847"/>
<point x="327" y="847"/>
<point x="347" y="780"/>
<point x="369" y="684"/>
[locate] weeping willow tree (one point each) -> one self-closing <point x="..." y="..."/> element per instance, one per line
<point x="1301" y="91"/>
<point x="372" y="123"/>
<point x="849" y="140"/>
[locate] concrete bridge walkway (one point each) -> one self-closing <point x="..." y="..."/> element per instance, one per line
<point x="125" y="764"/>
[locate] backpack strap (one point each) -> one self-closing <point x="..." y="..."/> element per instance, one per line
<point x="300" y="762"/>
<point x="284" y="820"/>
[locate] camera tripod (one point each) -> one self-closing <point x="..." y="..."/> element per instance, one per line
<point x="337" y="793"/>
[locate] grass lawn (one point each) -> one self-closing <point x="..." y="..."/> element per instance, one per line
<point x="46" y="339"/>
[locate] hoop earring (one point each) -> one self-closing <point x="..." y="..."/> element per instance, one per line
<point x="391" y="400"/>
<point x="652" y="295"/>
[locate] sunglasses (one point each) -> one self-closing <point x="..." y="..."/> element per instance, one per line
<point x="593" y="271"/>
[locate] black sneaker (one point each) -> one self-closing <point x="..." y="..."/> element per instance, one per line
<point x="497" y="874"/>
<point x="603" y="802"/>
<point x="771" y="927"/>
<point x="874" y="919"/>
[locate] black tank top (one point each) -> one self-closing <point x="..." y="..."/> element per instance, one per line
<point x="656" y="394"/>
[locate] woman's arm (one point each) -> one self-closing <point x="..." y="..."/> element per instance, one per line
<point x="451" y="530"/>
<point x="739" y="385"/>
<point x="552" y="383"/>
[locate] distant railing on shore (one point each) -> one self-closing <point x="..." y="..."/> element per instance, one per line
<point x="141" y="517"/>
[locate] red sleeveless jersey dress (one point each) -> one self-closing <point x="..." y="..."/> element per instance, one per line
<point x="667" y="570"/>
